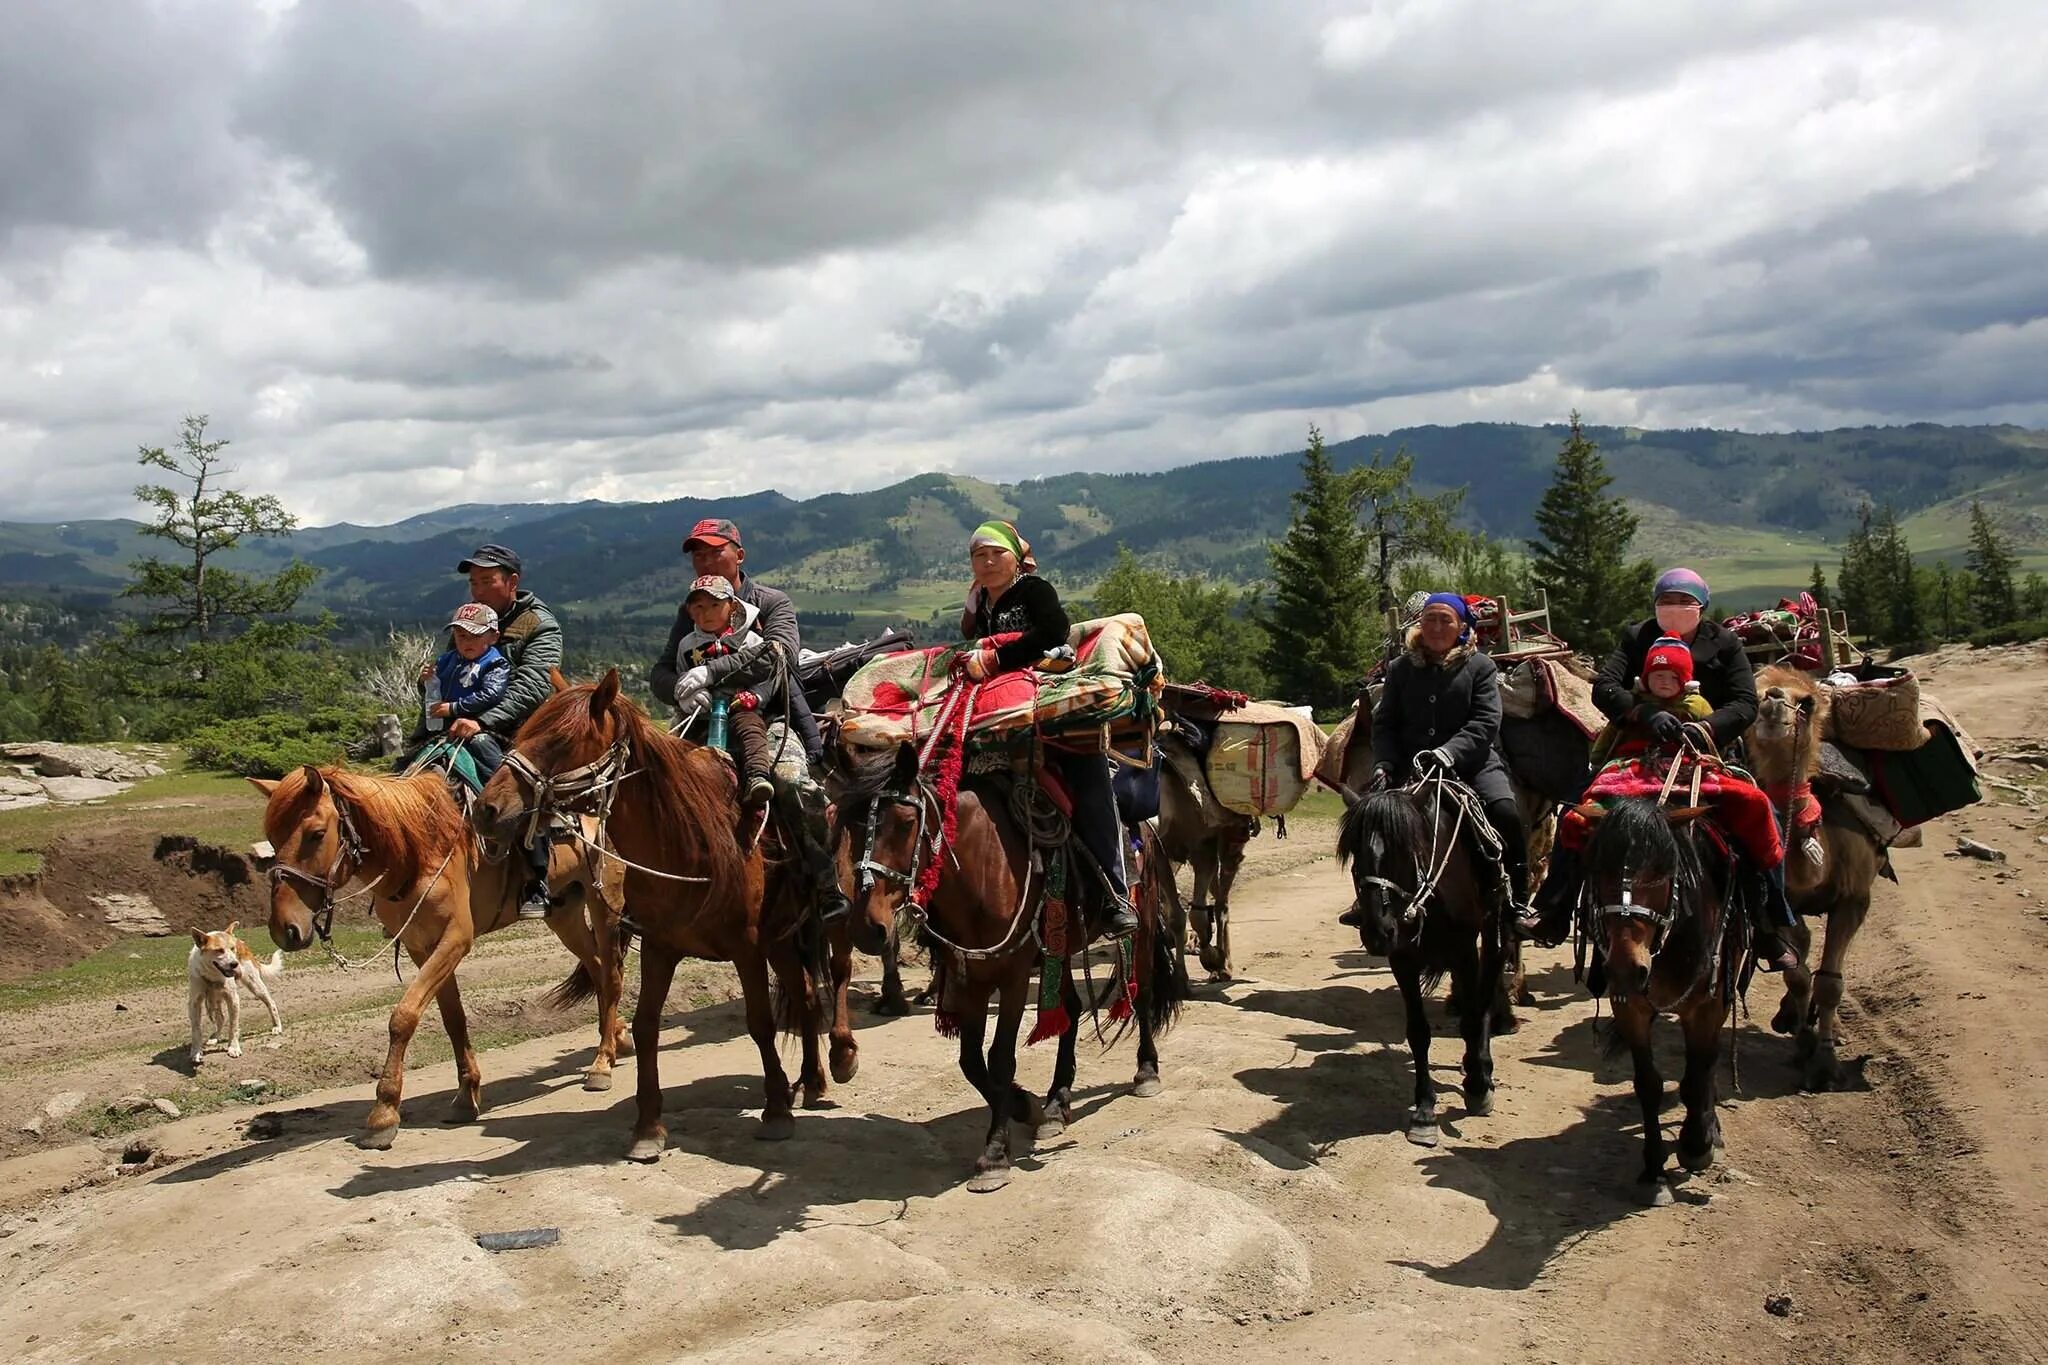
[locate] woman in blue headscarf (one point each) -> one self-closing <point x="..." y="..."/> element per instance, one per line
<point x="1440" y="708"/>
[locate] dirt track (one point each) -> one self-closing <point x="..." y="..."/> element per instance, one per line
<point x="1266" y="1205"/>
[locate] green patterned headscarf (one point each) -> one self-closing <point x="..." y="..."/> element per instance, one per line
<point x="1004" y="534"/>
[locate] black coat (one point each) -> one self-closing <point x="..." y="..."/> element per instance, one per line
<point x="777" y="626"/>
<point x="1718" y="665"/>
<point x="1032" y="607"/>
<point x="1452" y="704"/>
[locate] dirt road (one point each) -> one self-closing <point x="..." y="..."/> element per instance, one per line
<point x="1266" y="1205"/>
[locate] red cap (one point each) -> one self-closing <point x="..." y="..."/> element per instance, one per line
<point x="1672" y="655"/>
<point x="713" y="531"/>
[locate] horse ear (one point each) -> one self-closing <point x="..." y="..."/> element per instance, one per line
<point x="1351" y="797"/>
<point x="1685" y="815"/>
<point x="314" y="782"/>
<point x="906" y="765"/>
<point x="1592" y="812"/>
<point x="557" y="680"/>
<point x="263" y="784"/>
<point x="607" y="692"/>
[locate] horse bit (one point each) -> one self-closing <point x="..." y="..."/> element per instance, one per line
<point x="352" y="850"/>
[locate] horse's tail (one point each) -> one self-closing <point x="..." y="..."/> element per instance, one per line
<point x="1163" y="985"/>
<point x="577" y="988"/>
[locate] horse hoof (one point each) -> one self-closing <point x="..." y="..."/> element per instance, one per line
<point x="646" y="1151"/>
<point x="1822" y="1074"/>
<point x="377" y="1139"/>
<point x="814" y="1097"/>
<point x="597" y="1080"/>
<point x="844" y="1069"/>
<point x="1654" y="1193"/>
<point x="776" y="1128"/>
<point x="1217" y="977"/>
<point x="1049" y="1131"/>
<point x="1423" y="1132"/>
<point x="1504" y="1024"/>
<point x="460" y="1113"/>
<point x="1479" y="1107"/>
<point x="1786" y="1020"/>
<point x="1696" y="1162"/>
<point x="889" y="1008"/>
<point x="1146" y="1086"/>
<point x="988" y="1182"/>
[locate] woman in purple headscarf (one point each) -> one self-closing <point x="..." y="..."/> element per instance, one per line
<point x="1728" y="683"/>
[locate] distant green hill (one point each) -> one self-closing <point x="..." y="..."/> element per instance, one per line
<point x="1752" y="512"/>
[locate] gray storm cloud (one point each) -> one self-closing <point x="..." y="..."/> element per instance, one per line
<point x="409" y="254"/>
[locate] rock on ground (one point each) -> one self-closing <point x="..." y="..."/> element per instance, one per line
<point x="75" y="789"/>
<point x="133" y="915"/>
<point x="79" y="760"/>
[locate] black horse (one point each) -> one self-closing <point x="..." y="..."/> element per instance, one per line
<point x="1432" y="903"/>
<point x="1657" y="884"/>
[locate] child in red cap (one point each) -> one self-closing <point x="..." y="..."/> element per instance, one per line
<point x="1666" y="688"/>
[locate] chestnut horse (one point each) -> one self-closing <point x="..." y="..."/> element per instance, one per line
<point x="401" y="843"/>
<point x="1784" y="752"/>
<point x="1669" y="944"/>
<point x="1431" y="905"/>
<point x="696" y="888"/>
<point x="982" y="916"/>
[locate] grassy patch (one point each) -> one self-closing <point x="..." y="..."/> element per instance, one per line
<point x="141" y="964"/>
<point x="216" y="808"/>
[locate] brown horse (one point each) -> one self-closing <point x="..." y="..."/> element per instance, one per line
<point x="695" y="884"/>
<point x="401" y="842"/>
<point x="1668" y="945"/>
<point x="983" y="916"/>
<point x="1430" y="906"/>
<point x="1784" y="751"/>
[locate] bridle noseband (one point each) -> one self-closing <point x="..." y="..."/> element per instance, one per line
<point x="588" y="790"/>
<point x="866" y="870"/>
<point x="351" y="852"/>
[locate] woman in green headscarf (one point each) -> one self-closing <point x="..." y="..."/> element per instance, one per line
<point x="1019" y="620"/>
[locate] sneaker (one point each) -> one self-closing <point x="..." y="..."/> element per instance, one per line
<point x="537" y="904"/>
<point x="760" y="791"/>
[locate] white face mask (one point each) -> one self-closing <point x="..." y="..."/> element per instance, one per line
<point x="1679" y="621"/>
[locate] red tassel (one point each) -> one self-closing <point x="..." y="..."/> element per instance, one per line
<point x="1125" y="1004"/>
<point x="1052" y="1023"/>
<point x="947" y="1023"/>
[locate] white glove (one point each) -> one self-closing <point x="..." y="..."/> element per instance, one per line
<point x="691" y="685"/>
<point x="1431" y="758"/>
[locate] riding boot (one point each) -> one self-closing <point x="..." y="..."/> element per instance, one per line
<point x="1506" y="819"/>
<point x="813" y="857"/>
<point x="1549" y="921"/>
<point x="1769" y="914"/>
<point x="537" y="904"/>
<point x="1096" y="825"/>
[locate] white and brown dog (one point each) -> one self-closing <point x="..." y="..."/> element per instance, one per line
<point x="216" y="969"/>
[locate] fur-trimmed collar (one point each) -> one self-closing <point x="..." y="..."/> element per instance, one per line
<point x="1420" y="656"/>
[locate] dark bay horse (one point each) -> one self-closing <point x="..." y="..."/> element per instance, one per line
<point x="1432" y="905"/>
<point x="1669" y="944"/>
<point x="693" y="886"/>
<point x="400" y="843"/>
<point x="983" y="918"/>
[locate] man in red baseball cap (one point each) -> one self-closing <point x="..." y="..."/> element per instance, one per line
<point x="715" y="550"/>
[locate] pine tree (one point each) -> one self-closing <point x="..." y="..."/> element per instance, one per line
<point x="1898" y="581"/>
<point x="1943" y="599"/>
<point x="63" y="713"/>
<point x="1991" y="562"/>
<point x="1581" y="557"/>
<point x="1818" y="588"/>
<point x="1319" y="626"/>
<point x="2034" y="598"/>
<point x="1857" y="580"/>
<point x="198" y="603"/>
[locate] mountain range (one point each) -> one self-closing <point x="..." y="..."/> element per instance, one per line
<point x="1752" y="511"/>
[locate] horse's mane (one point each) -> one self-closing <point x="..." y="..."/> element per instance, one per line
<point x="1388" y="814"/>
<point x="1636" y="827"/>
<point x="408" y="824"/>
<point x="686" y="785"/>
<point x="858" y="778"/>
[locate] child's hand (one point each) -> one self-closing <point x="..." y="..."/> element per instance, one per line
<point x="426" y="673"/>
<point x="440" y="710"/>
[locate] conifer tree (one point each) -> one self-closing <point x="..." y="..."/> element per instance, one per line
<point x="1818" y="588"/>
<point x="1319" y="626"/>
<point x="1582" y="553"/>
<point x="1990" y="560"/>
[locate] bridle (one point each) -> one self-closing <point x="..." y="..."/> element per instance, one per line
<point x="866" y="870"/>
<point x="1415" y="903"/>
<point x="588" y="790"/>
<point x="351" y="852"/>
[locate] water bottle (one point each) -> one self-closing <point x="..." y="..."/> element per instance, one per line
<point x="716" y="739"/>
<point x="430" y="696"/>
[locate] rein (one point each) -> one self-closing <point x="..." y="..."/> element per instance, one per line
<point x="1662" y="921"/>
<point x="588" y="790"/>
<point x="1438" y="861"/>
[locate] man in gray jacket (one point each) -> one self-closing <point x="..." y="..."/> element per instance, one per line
<point x="531" y="637"/>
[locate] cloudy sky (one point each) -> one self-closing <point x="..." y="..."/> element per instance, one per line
<point x="411" y="254"/>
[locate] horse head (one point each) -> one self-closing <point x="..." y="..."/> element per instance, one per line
<point x="313" y="853"/>
<point x="882" y="816"/>
<point x="1386" y="841"/>
<point x="1643" y="879"/>
<point x="556" y="757"/>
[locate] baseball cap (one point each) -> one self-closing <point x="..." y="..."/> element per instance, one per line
<point x="474" y="617"/>
<point x="717" y="585"/>
<point x="490" y="557"/>
<point x="713" y="531"/>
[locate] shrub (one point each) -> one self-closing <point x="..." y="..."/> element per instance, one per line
<point x="275" y="742"/>
<point x="2011" y="633"/>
